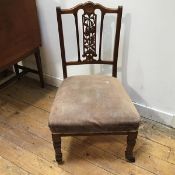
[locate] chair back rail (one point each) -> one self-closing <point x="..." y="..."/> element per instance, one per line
<point x="89" y="20"/>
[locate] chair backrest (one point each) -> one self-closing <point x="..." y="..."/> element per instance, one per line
<point x="89" y="21"/>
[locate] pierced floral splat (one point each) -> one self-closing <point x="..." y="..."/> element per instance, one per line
<point x="89" y="36"/>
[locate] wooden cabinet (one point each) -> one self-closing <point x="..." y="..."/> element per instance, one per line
<point x="19" y="32"/>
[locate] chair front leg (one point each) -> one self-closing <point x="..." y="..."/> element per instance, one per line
<point x="57" y="147"/>
<point x="131" y="141"/>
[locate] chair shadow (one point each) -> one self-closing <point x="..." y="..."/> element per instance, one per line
<point x="95" y="148"/>
<point x="136" y="97"/>
<point x="102" y="148"/>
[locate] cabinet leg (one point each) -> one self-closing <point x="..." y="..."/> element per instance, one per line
<point x="17" y="71"/>
<point x="39" y="66"/>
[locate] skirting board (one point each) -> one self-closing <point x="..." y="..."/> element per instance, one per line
<point x="51" y="80"/>
<point x="144" y="111"/>
<point x="156" y="115"/>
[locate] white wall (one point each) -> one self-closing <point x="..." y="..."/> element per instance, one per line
<point x="147" y="51"/>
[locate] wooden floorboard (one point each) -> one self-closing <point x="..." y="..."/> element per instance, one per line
<point x="26" y="146"/>
<point x="8" y="168"/>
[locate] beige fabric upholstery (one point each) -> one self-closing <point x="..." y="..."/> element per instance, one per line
<point x="92" y="104"/>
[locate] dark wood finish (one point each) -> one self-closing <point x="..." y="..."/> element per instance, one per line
<point x="26" y="69"/>
<point x="89" y="7"/>
<point x="100" y="133"/>
<point x="77" y="33"/>
<point x="117" y="38"/>
<point x="131" y="141"/>
<point x="57" y="147"/>
<point x="89" y="20"/>
<point x="87" y="62"/>
<point x="17" y="70"/>
<point x="101" y="32"/>
<point x="62" y="47"/>
<point x="39" y="67"/>
<point x="19" y="33"/>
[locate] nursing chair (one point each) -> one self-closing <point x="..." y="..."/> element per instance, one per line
<point x="88" y="105"/>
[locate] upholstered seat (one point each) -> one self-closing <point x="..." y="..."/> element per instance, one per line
<point x="92" y="104"/>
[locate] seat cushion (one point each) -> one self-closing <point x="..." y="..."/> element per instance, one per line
<point x="92" y="104"/>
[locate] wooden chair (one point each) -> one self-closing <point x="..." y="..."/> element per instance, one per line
<point x="89" y="105"/>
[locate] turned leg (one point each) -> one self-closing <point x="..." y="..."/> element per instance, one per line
<point x="57" y="146"/>
<point x="131" y="141"/>
<point x="39" y="66"/>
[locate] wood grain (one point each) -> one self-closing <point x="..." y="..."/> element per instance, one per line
<point x="8" y="168"/>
